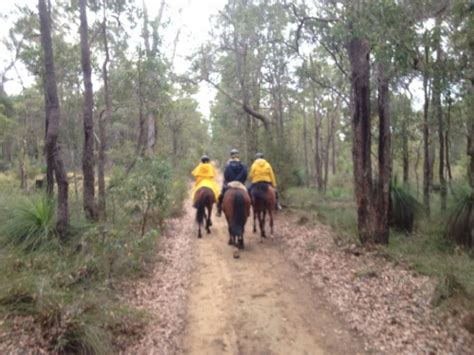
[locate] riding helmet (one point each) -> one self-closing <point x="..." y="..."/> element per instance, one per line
<point x="259" y="156"/>
<point x="234" y="152"/>
<point x="205" y="159"/>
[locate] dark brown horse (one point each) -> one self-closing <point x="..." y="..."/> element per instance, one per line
<point x="236" y="207"/>
<point x="263" y="201"/>
<point x="204" y="198"/>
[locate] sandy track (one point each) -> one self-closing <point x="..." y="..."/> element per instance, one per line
<point x="256" y="304"/>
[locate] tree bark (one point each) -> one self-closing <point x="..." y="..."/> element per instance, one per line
<point x="317" y="145"/>
<point x="103" y="119"/>
<point x="53" y="151"/>
<point x="305" y="146"/>
<point x="141" y="144"/>
<point x="358" y="51"/>
<point x="438" y="111"/>
<point x="384" y="156"/>
<point x="447" y="142"/>
<point x="426" y="137"/>
<point x="90" y="207"/>
<point x="334" y="146"/>
<point x="405" y="153"/>
<point x="326" y="149"/>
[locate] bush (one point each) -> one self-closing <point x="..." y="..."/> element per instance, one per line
<point x="461" y="221"/>
<point x="403" y="208"/>
<point x="30" y="223"/>
<point x="146" y="189"/>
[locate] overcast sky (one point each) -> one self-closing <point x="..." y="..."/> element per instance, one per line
<point x="191" y="16"/>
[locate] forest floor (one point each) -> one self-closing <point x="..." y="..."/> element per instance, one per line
<point x="295" y="293"/>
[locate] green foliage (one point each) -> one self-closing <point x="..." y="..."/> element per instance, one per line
<point x="461" y="221"/>
<point x="30" y="223"/>
<point x="338" y="212"/>
<point x="70" y="289"/>
<point x="403" y="208"/>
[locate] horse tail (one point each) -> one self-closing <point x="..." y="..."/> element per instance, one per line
<point x="201" y="202"/>
<point x="239" y="217"/>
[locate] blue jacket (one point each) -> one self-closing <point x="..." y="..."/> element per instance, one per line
<point x="235" y="170"/>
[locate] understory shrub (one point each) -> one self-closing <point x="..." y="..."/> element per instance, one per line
<point x="403" y="208"/>
<point x="461" y="220"/>
<point x="29" y="223"/>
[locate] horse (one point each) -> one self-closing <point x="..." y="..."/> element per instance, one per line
<point x="236" y="207"/>
<point x="204" y="198"/>
<point x="263" y="200"/>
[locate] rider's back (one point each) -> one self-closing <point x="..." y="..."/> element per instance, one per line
<point x="235" y="171"/>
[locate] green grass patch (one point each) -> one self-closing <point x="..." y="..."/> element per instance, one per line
<point x="70" y="289"/>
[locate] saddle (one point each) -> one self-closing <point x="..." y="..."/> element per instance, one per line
<point x="236" y="185"/>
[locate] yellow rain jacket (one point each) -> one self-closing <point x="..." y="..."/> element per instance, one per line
<point x="261" y="170"/>
<point x="204" y="174"/>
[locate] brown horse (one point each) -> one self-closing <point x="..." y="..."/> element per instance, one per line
<point x="204" y="198"/>
<point x="263" y="201"/>
<point x="236" y="207"/>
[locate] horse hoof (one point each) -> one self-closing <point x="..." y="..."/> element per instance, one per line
<point x="236" y="254"/>
<point x="229" y="242"/>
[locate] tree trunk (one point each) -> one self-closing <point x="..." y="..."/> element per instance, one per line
<point x="150" y="133"/>
<point x="305" y="146"/>
<point x="141" y="144"/>
<point x="438" y="112"/>
<point x="406" y="156"/>
<point x="22" y="165"/>
<point x="417" y="162"/>
<point x="334" y="146"/>
<point x="52" y="148"/>
<point x="447" y="142"/>
<point x="470" y="144"/>
<point x="426" y="138"/>
<point x="384" y="157"/>
<point x="317" y="145"/>
<point x="90" y="207"/>
<point x="326" y="151"/>
<point x="358" y="51"/>
<point x="103" y="119"/>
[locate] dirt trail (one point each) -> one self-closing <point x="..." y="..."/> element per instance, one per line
<point x="257" y="304"/>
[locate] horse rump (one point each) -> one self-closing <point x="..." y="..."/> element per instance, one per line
<point x="204" y="197"/>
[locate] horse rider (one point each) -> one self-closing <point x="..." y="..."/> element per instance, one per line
<point x="235" y="170"/>
<point x="204" y="175"/>
<point x="262" y="171"/>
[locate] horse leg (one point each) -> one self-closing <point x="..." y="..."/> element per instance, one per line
<point x="199" y="230"/>
<point x="231" y="242"/>
<point x="262" y="224"/>
<point x="208" y="220"/>
<point x="254" y="220"/>
<point x="241" y="241"/>
<point x="270" y="212"/>
<point x="210" y="211"/>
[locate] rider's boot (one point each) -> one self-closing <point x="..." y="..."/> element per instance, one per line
<point x="277" y="202"/>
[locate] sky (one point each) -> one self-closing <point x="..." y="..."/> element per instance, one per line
<point x="191" y="16"/>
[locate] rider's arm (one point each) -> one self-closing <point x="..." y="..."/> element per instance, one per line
<point x="195" y="172"/>
<point x="252" y="172"/>
<point x="272" y="177"/>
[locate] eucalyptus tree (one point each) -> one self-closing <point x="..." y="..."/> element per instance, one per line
<point x="365" y="29"/>
<point x="53" y="151"/>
